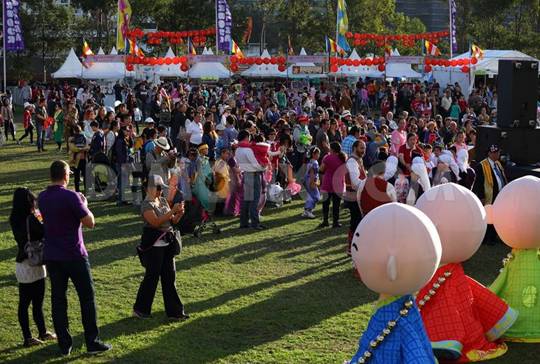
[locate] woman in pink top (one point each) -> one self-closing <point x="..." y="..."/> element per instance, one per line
<point x="399" y="137"/>
<point x="333" y="183"/>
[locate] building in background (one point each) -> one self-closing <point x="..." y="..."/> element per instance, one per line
<point x="433" y="13"/>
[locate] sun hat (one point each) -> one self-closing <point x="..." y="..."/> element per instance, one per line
<point x="149" y="120"/>
<point x="162" y="143"/>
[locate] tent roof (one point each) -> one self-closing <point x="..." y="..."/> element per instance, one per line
<point x="101" y="52"/>
<point x="172" y="70"/>
<point x="400" y="70"/>
<point x="490" y="63"/>
<point x="264" y="70"/>
<point x="105" y="71"/>
<point x="209" y="70"/>
<point x="114" y="52"/>
<point x="72" y="67"/>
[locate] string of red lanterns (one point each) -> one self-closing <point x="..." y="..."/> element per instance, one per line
<point x="335" y="62"/>
<point x="198" y="37"/>
<point x="464" y="63"/>
<point x="156" y="61"/>
<point x="280" y="61"/>
<point x="407" y="40"/>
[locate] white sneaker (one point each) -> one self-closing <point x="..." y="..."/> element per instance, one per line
<point x="305" y="214"/>
<point x="310" y="215"/>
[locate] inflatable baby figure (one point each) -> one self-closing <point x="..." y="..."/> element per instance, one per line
<point x="516" y="216"/>
<point x="463" y="319"/>
<point x="396" y="250"/>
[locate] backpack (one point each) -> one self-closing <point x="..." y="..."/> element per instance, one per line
<point x="33" y="248"/>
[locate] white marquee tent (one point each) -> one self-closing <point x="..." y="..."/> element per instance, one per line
<point x="172" y="70"/>
<point x="263" y="70"/>
<point x="72" y="67"/>
<point x="400" y="70"/>
<point x="489" y="65"/>
<point x="209" y="70"/>
<point x="290" y="73"/>
<point x="357" y="72"/>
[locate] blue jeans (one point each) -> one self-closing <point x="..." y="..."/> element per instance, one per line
<point x="252" y="195"/>
<point x="79" y="273"/>
<point x="40" y="135"/>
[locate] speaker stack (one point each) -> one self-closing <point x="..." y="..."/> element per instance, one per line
<point x="516" y="133"/>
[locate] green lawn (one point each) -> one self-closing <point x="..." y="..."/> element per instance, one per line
<point x="285" y="295"/>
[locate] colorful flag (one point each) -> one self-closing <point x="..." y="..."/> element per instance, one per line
<point x="86" y="50"/>
<point x="124" y="17"/>
<point x="453" y="26"/>
<point x="235" y="49"/>
<point x="342" y="25"/>
<point x="191" y="47"/>
<point x="477" y="52"/>
<point x="223" y="25"/>
<point x="290" y="51"/>
<point x="134" y="49"/>
<point x="333" y="47"/>
<point x="249" y="29"/>
<point x="432" y="49"/>
<point x="12" y="26"/>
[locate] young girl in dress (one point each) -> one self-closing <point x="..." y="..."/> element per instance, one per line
<point x="311" y="183"/>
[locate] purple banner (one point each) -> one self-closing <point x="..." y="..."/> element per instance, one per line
<point x="223" y="26"/>
<point x="453" y="27"/>
<point x="12" y="26"/>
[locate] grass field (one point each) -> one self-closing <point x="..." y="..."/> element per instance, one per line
<point x="284" y="295"/>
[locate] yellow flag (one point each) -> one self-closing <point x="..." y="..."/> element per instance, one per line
<point x="124" y="17"/>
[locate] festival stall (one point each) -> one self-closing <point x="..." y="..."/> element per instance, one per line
<point x="355" y="67"/>
<point x="489" y="64"/>
<point x="401" y="70"/>
<point x="170" y="70"/>
<point x="106" y="71"/>
<point x="208" y="70"/>
<point x="302" y="70"/>
<point x="72" y="67"/>
<point x="264" y="70"/>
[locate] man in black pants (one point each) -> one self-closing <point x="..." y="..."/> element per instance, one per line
<point x="64" y="213"/>
<point x="354" y="180"/>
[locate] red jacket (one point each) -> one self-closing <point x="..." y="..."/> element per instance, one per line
<point x="374" y="194"/>
<point x="27" y="118"/>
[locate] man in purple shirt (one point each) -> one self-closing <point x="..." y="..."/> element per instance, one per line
<point x="64" y="213"/>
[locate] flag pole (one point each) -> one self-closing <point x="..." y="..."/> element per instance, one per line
<point x="217" y="31"/>
<point x="451" y="21"/>
<point x="4" y="43"/>
<point x="337" y="33"/>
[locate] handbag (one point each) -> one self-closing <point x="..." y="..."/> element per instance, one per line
<point x="175" y="242"/>
<point x="33" y="248"/>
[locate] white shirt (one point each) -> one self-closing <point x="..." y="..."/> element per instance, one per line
<point x="196" y="131"/>
<point x="354" y="174"/>
<point x="500" y="182"/>
<point x="110" y="138"/>
<point x="246" y="160"/>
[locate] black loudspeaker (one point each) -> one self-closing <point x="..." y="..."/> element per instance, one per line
<point x="517" y="91"/>
<point x="522" y="146"/>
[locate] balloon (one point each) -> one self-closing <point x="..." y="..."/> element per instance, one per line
<point x="428" y="68"/>
<point x="399" y="263"/>
<point x="184" y="67"/>
<point x="474" y="60"/>
<point x="382" y="67"/>
<point x="465" y="69"/>
<point x="334" y="68"/>
<point x="282" y="68"/>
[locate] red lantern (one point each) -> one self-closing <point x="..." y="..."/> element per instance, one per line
<point x="349" y="62"/>
<point x="183" y="59"/>
<point x="184" y="67"/>
<point x="349" y="35"/>
<point x="129" y="67"/>
<point x="266" y="60"/>
<point x="428" y="68"/>
<point x="427" y="61"/>
<point x="259" y="61"/>
<point x="168" y="61"/>
<point x="362" y="62"/>
<point x="357" y="36"/>
<point x="234" y="67"/>
<point x="176" y="60"/>
<point x="273" y="60"/>
<point x="474" y="60"/>
<point x="234" y="59"/>
<point x="465" y="69"/>
<point x="334" y="68"/>
<point x="453" y="63"/>
<point x="282" y="68"/>
<point x="282" y="60"/>
<point x="356" y="62"/>
<point x="357" y="42"/>
<point x="333" y="60"/>
<point x="369" y="62"/>
<point x="382" y="67"/>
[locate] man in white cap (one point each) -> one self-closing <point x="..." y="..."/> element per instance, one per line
<point x="149" y="125"/>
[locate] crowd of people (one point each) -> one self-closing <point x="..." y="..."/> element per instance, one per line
<point x="231" y="150"/>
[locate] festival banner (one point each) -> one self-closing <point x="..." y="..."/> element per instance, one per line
<point x="223" y="25"/>
<point x="453" y="26"/>
<point x="12" y="26"/>
<point x="123" y="20"/>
